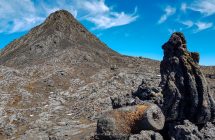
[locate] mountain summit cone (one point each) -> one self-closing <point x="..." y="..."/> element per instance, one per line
<point x="60" y="37"/>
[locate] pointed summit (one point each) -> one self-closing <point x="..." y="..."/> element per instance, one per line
<point x="60" y="15"/>
<point x="62" y="20"/>
<point x="60" y="37"/>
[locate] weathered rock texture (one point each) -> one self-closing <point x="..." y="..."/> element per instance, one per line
<point x="125" y="121"/>
<point x="185" y="89"/>
<point x="184" y="131"/>
<point x="122" y="100"/>
<point x="146" y="135"/>
<point x="208" y="131"/>
<point x="189" y="131"/>
<point x="149" y="93"/>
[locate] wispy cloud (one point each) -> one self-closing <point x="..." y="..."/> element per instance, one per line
<point x="197" y="26"/>
<point x="19" y="16"/>
<point x="93" y="6"/>
<point x="206" y="7"/>
<point x="112" y="19"/>
<point x="203" y="25"/>
<point x="24" y="24"/>
<point x="171" y="31"/>
<point x="105" y="17"/>
<point x="195" y="22"/>
<point x="188" y="23"/>
<point x="169" y="11"/>
<point x="183" y="7"/>
<point x="16" y="15"/>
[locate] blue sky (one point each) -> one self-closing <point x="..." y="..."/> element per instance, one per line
<point x="130" y="27"/>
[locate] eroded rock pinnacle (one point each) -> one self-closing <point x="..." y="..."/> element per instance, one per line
<point x="186" y="92"/>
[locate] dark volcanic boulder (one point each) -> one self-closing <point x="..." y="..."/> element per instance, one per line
<point x="146" y="92"/>
<point x="208" y="131"/>
<point x="146" y="135"/>
<point x="123" y="122"/>
<point x="185" y="131"/>
<point x="122" y="100"/>
<point x="185" y="90"/>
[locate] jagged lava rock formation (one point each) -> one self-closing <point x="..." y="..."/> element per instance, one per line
<point x="188" y="105"/>
<point x="185" y="89"/>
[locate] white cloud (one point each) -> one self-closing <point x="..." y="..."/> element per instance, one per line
<point x="203" y="25"/>
<point x="104" y="17"/>
<point x="99" y="34"/>
<point x="169" y="11"/>
<point x="206" y="7"/>
<point x="111" y="20"/>
<point x="24" y="24"/>
<point x="16" y="15"/>
<point x="19" y="16"/>
<point x="183" y="7"/>
<point x="171" y="31"/>
<point x="197" y="26"/>
<point x="94" y="6"/>
<point x="188" y="23"/>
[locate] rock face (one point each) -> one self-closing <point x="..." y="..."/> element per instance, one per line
<point x="185" y="89"/>
<point x="123" y="122"/>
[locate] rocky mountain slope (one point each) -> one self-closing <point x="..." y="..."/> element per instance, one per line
<point x="57" y="80"/>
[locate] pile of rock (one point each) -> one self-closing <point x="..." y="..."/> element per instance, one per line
<point x="184" y="97"/>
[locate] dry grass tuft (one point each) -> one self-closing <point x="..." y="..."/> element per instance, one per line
<point x="126" y="120"/>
